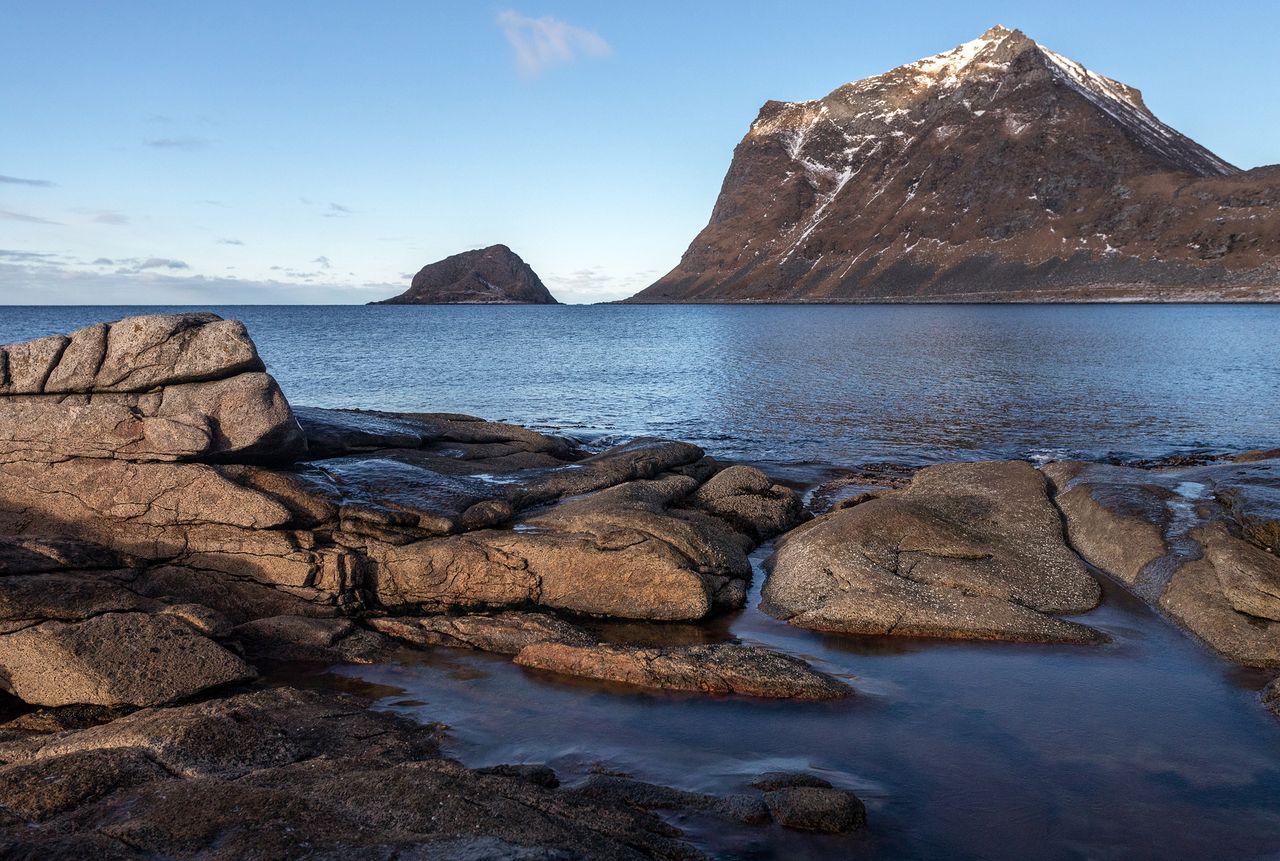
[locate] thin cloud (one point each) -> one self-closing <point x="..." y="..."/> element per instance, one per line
<point x="111" y="217"/>
<point x="27" y="256"/>
<point x="336" y="210"/>
<point x="134" y="266"/>
<point x="8" y="215"/>
<point x="17" y="180"/>
<point x="185" y="144"/>
<point x="540" y="43"/>
<point x="324" y="262"/>
<point x="230" y="242"/>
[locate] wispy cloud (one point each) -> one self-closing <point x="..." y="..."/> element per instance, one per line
<point x="17" y="180"/>
<point x="110" y="216"/>
<point x="540" y="43"/>
<point x="181" y="143"/>
<point x="8" y="215"/>
<point x="230" y="242"/>
<point x="323" y="261"/>
<point x="133" y="266"/>
<point x="337" y="210"/>
<point x="28" y="256"/>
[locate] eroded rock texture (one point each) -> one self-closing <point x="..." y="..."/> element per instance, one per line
<point x="1195" y="542"/>
<point x="970" y="551"/>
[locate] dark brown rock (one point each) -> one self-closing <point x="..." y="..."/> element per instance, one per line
<point x="114" y="659"/>
<point x="725" y="668"/>
<point x="809" y="808"/>
<point x="772" y="780"/>
<point x="303" y="638"/>
<point x="488" y="276"/>
<point x="966" y="551"/>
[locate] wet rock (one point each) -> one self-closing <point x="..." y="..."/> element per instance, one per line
<point x="114" y="659"/>
<point x="966" y="551"/>
<point x="302" y="638"/>
<point x="538" y="775"/>
<point x="1271" y="696"/>
<point x="616" y="790"/>
<point x="772" y="780"/>
<point x="725" y="668"/>
<point x="1115" y="516"/>
<point x="808" y="808"/>
<point x="504" y="633"/>
<point x="285" y="773"/>
<point x="1182" y="539"/>
<point x="1229" y="597"/>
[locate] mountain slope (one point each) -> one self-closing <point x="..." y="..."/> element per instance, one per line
<point x="487" y="276"/>
<point x="998" y="170"/>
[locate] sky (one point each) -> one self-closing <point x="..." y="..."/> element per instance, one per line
<point x="274" y="152"/>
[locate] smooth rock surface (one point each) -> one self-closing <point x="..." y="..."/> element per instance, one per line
<point x="965" y="551"/>
<point x="724" y="668"/>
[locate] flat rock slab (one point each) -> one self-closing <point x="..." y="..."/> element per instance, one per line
<point x="1195" y="542"/>
<point x="503" y="633"/>
<point x="114" y="659"/>
<point x="726" y="668"/>
<point x="966" y="551"/>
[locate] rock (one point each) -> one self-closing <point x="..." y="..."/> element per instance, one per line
<point x="616" y="790"/>
<point x="1185" y="541"/>
<point x="237" y="600"/>
<point x="1271" y="696"/>
<point x="302" y="638"/>
<point x="772" y="780"/>
<point x="1115" y="517"/>
<point x="538" y="775"/>
<point x="34" y="555"/>
<point x="724" y="668"/>
<point x="114" y="659"/>
<point x="136" y="354"/>
<point x="745" y="497"/>
<point x="808" y="808"/>
<point x="1229" y="598"/>
<point x="966" y="551"/>
<point x="487" y="276"/>
<point x="160" y="388"/>
<point x="41" y="788"/>
<point x="505" y="633"/>
<point x="628" y="551"/>
<point x="26" y="600"/>
<point x="284" y="773"/>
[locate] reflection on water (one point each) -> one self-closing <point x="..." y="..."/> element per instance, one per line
<point x="1148" y="747"/>
<point x="829" y="384"/>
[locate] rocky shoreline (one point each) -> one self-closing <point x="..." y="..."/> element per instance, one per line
<point x="172" y="530"/>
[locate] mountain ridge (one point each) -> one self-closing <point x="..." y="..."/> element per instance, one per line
<point x="998" y="170"/>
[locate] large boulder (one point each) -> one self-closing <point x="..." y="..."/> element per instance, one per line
<point x="114" y="659"/>
<point x="153" y="388"/>
<point x="972" y="550"/>
<point x="720" y="668"/>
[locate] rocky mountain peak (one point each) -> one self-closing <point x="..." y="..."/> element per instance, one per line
<point x="997" y="148"/>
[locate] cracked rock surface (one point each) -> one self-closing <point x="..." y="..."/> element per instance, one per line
<point x="972" y="551"/>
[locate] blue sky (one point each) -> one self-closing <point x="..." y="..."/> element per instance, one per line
<point x="323" y="152"/>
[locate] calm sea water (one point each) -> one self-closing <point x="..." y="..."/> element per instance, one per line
<point x="1147" y="748"/>
<point x="829" y="384"/>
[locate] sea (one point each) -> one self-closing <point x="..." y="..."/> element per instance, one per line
<point x="1147" y="747"/>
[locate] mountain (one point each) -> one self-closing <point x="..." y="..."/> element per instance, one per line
<point x="488" y="276"/>
<point x="997" y="171"/>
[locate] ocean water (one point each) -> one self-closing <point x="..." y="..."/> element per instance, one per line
<point x="791" y="384"/>
<point x="1149" y="747"/>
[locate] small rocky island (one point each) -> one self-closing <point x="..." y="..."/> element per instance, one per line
<point x="173" y="532"/>
<point x="487" y="276"/>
